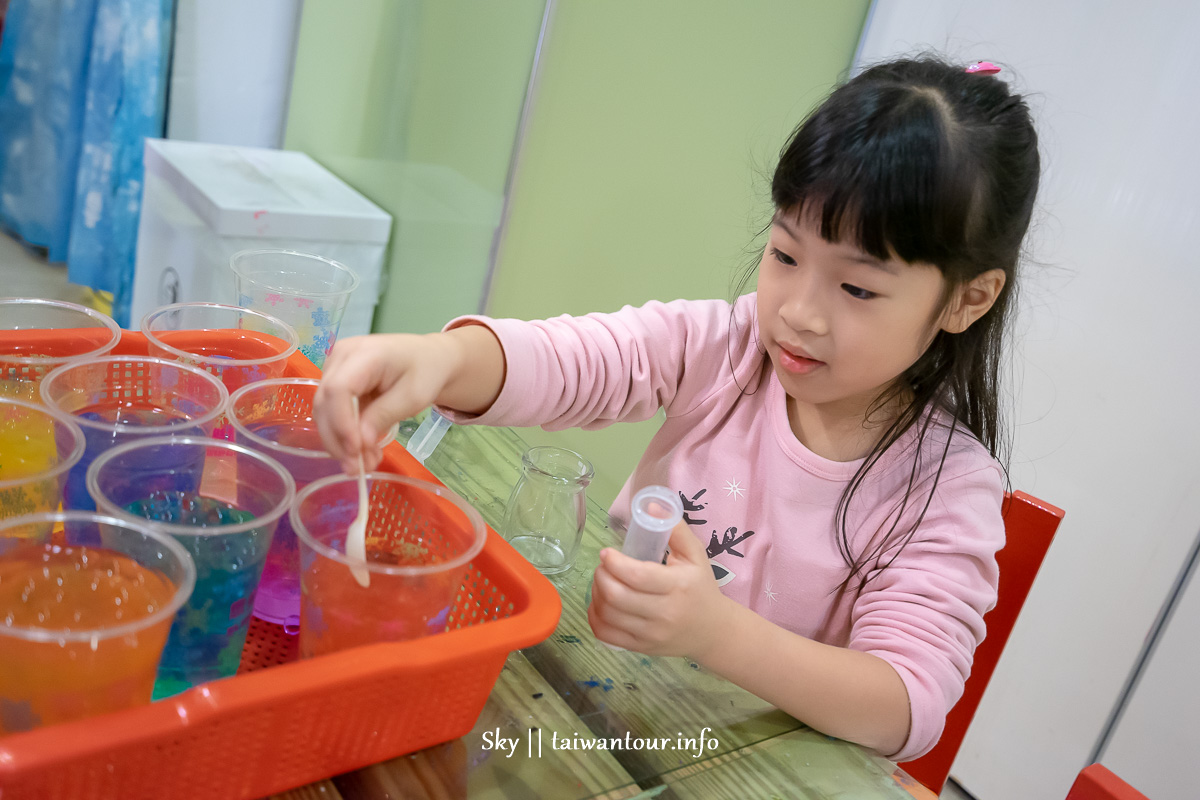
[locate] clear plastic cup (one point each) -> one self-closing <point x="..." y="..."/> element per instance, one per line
<point x="84" y="614"/>
<point x="420" y="540"/>
<point x="115" y="399"/>
<point x="222" y="502"/>
<point x="238" y="345"/>
<point x="275" y="417"/>
<point x="37" y="335"/>
<point x="309" y="292"/>
<point x="37" y="450"/>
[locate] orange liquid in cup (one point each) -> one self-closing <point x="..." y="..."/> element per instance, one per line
<point x="58" y="589"/>
<point x="337" y="613"/>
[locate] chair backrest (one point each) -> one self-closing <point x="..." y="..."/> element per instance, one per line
<point x="1029" y="527"/>
<point x="1099" y="783"/>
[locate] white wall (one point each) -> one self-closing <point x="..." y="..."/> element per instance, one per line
<point x="231" y="71"/>
<point x="1107" y="376"/>
<point x="1157" y="739"/>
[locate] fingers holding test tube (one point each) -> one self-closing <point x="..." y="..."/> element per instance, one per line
<point x="658" y="609"/>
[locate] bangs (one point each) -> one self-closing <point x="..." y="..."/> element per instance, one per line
<point x="893" y="179"/>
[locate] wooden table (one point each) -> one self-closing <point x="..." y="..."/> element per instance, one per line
<point x="634" y="726"/>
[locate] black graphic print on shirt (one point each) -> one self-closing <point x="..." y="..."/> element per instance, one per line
<point x="693" y="505"/>
<point x="728" y="542"/>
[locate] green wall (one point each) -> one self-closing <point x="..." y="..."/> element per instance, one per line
<point x="645" y="169"/>
<point x="643" y="173"/>
<point x="415" y="103"/>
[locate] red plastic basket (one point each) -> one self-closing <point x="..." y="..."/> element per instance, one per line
<point x="281" y="722"/>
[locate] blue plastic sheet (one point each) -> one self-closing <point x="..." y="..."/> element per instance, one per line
<point x="82" y="84"/>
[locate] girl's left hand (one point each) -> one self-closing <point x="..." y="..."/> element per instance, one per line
<point x="666" y="610"/>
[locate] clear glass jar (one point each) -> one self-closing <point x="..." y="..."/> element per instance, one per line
<point x="548" y="507"/>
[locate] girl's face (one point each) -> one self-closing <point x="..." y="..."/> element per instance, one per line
<point x="839" y="325"/>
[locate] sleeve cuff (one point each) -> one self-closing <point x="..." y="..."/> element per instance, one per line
<point x="513" y="338"/>
<point x="924" y="729"/>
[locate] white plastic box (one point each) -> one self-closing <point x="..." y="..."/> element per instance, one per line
<point x="204" y="202"/>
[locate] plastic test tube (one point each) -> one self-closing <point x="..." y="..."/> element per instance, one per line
<point x="427" y="436"/>
<point x="655" y="510"/>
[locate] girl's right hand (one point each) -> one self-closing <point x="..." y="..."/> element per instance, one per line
<point x="397" y="375"/>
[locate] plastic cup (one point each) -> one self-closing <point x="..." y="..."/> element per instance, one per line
<point x="221" y="501"/>
<point x="420" y="539"/>
<point x="275" y="417"/>
<point x="237" y="345"/>
<point x="37" y="450"/>
<point x="84" y="614"/>
<point x="115" y="399"/>
<point x="37" y="335"/>
<point x="307" y="291"/>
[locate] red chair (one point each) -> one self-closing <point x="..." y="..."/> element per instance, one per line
<point x="1099" y="783"/>
<point x="1029" y="526"/>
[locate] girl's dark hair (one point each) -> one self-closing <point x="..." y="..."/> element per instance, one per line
<point x="919" y="159"/>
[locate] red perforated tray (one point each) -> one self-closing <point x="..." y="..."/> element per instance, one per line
<point x="280" y="722"/>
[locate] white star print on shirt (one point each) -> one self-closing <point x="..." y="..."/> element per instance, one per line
<point x="771" y="595"/>
<point x="734" y="488"/>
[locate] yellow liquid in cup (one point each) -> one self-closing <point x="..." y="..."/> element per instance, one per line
<point x="27" y="448"/>
<point x="27" y="445"/>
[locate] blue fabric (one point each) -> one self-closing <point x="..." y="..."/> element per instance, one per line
<point x="43" y="83"/>
<point x="82" y="84"/>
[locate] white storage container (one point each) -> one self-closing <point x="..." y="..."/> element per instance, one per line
<point x="204" y="202"/>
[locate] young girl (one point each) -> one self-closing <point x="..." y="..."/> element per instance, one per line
<point x="833" y="435"/>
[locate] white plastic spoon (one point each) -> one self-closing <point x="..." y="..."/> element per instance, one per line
<point x="356" y="536"/>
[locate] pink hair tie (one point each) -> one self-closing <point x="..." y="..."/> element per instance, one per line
<point x="982" y="68"/>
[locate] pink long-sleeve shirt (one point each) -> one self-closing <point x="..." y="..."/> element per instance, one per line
<point x="761" y="501"/>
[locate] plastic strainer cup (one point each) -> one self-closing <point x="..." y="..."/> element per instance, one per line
<point x="238" y="345"/>
<point x="275" y="417"/>
<point x="84" y="614"/>
<point x="115" y="399"/>
<point x="37" y="449"/>
<point x="37" y="335"/>
<point x="221" y="501"/>
<point x="420" y="540"/>
<point x="308" y="292"/>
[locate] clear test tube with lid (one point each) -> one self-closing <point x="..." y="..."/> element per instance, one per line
<point x="655" y="510"/>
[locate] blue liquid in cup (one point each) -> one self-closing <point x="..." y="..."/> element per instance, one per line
<point x="210" y="630"/>
<point x="142" y="421"/>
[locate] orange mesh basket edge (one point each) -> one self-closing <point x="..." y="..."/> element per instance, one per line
<point x="289" y="724"/>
